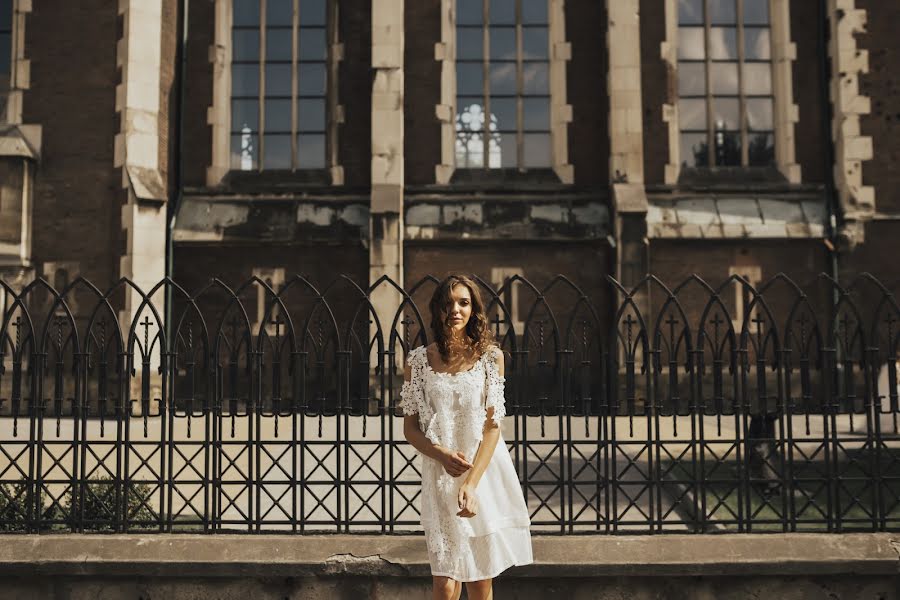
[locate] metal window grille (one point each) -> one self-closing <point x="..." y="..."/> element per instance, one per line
<point x="281" y="83"/>
<point x="725" y="98"/>
<point x="502" y="81"/>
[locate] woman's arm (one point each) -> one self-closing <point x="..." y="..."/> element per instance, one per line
<point x="489" y="439"/>
<point x="454" y="463"/>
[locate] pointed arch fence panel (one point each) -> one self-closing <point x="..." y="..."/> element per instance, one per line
<point x="685" y="408"/>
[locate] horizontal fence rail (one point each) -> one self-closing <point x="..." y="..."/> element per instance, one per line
<point x="264" y="408"/>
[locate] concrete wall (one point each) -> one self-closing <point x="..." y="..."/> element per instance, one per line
<point x="722" y="567"/>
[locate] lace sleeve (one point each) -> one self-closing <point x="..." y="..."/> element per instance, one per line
<point x="495" y="384"/>
<point x="412" y="396"/>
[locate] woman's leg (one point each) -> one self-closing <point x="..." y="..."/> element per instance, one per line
<point x="480" y="590"/>
<point x="445" y="588"/>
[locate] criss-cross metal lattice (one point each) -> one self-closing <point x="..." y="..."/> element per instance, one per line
<point x="690" y="408"/>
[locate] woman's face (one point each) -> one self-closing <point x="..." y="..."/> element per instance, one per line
<point x="459" y="309"/>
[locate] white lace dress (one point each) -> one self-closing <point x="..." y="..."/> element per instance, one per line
<point x="452" y="409"/>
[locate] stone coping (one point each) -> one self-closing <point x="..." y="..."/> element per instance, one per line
<point x="238" y="555"/>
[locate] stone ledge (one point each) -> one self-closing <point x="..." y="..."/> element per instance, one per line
<point x="234" y="555"/>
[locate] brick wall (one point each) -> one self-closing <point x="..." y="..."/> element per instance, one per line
<point x="655" y="82"/>
<point x="198" y="93"/>
<point x="586" y="83"/>
<point x="356" y="91"/>
<point x="72" y="47"/>
<point x="422" y="141"/>
<point x="882" y="85"/>
<point x="807" y="75"/>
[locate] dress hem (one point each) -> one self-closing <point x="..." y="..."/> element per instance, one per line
<point x="496" y="574"/>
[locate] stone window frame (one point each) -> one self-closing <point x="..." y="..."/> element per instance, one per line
<point x="219" y="114"/>
<point x="785" y="112"/>
<point x="19" y="67"/>
<point x="560" y="111"/>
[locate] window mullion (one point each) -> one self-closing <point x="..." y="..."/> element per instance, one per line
<point x="295" y="44"/>
<point x="742" y="116"/>
<point x="520" y="90"/>
<point x="486" y="85"/>
<point x="710" y="116"/>
<point x="262" y="85"/>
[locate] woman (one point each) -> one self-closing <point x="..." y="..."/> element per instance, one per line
<point x="473" y="512"/>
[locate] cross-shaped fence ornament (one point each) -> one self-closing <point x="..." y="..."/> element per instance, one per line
<point x="146" y="323"/>
<point x="672" y="322"/>
<point x="277" y="322"/>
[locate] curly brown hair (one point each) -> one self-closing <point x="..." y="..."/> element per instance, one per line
<point x="478" y="333"/>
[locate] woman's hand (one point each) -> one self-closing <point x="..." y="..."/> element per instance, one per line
<point x="467" y="501"/>
<point x="454" y="462"/>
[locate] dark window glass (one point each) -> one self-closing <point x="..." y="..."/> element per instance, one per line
<point x="757" y="44"/>
<point x="759" y="114"/>
<point x="725" y="106"/>
<point x="277" y="151"/>
<point x="469" y="43"/>
<point x="313" y="12"/>
<point x="692" y="113"/>
<point x="311" y="151"/>
<point x="535" y="43"/>
<point x="245" y="80"/>
<point x="515" y="133"/>
<point x="723" y="43"/>
<point x="469" y="79"/>
<point x="311" y="115"/>
<point x="505" y="111"/>
<point x="690" y="12"/>
<point x="469" y="12"/>
<point x="503" y="43"/>
<point x="244" y="113"/>
<point x="722" y="12"/>
<point x="503" y="12"/>
<point x="756" y="12"/>
<point x="278" y="116"/>
<point x="536" y="114"/>
<point x="311" y="79"/>
<point x="691" y="79"/>
<point x="279" y="12"/>
<point x="293" y="137"/>
<point x="690" y="43"/>
<point x="278" y="44"/>
<point x="245" y="12"/>
<point x="534" y="13"/>
<point x="245" y="45"/>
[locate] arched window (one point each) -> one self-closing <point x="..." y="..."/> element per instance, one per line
<point x="279" y="83"/>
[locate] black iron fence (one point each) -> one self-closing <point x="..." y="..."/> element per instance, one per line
<point x="254" y="409"/>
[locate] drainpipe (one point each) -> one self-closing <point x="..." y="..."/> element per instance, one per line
<point x="177" y="191"/>
<point x="831" y="228"/>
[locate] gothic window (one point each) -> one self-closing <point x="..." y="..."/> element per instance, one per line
<point x="280" y="83"/>
<point x="725" y="97"/>
<point x="6" y="52"/>
<point x="503" y="84"/>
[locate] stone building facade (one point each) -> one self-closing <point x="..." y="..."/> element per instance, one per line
<point x="273" y="137"/>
